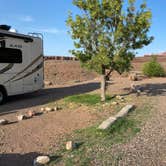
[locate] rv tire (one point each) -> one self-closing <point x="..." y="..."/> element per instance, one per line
<point x="3" y="96"/>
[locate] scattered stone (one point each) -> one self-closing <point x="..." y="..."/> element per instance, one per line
<point x="133" y="77"/>
<point x="119" y="97"/>
<point x="48" y="83"/>
<point x="114" y="103"/>
<point x="3" y="121"/>
<point x="55" y="108"/>
<point x="21" y="117"/>
<point x="31" y="114"/>
<point x="138" y="92"/>
<point x="133" y="88"/>
<point x="48" y="109"/>
<point x="136" y="89"/>
<point x="122" y="100"/>
<point x="42" y="109"/>
<point x="41" y="160"/>
<point x="70" y="145"/>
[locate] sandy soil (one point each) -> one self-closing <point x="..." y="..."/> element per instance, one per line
<point x="66" y="72"/>
<point x="21" y="142"/>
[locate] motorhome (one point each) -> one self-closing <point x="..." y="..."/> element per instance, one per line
<point x="21" y="63"/>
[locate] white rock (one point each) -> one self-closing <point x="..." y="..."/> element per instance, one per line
<point x="42" y="109"/>
<point x="133" y="77"/>
<point x="41" y="160"/>
<point x="31" y="113"/>
<point x="119" y="97"/>
<point x="48" y="109"/>
<point x="48" y="83"/>
<point x="3" y="121"/>
<point x="70" y="145"/>
<point x="114" y="103"/>
<point x="20" y="117"/>
<point x="55" y="108"/>
<point x="138" y="92"/>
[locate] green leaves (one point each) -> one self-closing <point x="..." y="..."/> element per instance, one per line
<point x="106" y="36"/>
<point x="153" y="68"/>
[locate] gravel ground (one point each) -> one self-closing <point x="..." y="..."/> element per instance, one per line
<point x="148" y="148"/>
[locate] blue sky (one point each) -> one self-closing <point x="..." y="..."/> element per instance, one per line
<point x="48" y="17"/>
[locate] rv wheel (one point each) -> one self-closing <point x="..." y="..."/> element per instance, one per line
<point x="2" y="96"/>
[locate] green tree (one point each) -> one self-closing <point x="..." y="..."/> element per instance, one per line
<point x="106" y="34"/>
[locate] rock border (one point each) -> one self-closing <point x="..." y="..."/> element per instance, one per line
<point x="111" y="120"/>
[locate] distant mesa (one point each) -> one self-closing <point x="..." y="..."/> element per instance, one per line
<point x="157" y="54"/>
<point x="160" y="56"/>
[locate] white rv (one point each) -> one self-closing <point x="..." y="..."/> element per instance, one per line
<point x="21" y="63"/>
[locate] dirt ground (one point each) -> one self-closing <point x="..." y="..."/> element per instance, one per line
<point x="21" y="142"/>
<point x="66" y="72"/>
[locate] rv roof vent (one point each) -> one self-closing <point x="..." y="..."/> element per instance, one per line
<point x="5" y="27"/>
<point x="13" y="30"/>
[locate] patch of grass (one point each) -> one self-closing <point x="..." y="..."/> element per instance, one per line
<point x="97" y="144"/>
<point x="88" y="99"/>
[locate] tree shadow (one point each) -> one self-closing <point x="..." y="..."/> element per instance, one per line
<point x="151" y="89"/>
<point x="18" y="159"/>
<point x="27" y="159"/>
<point x="44" y="96"/>
<point x="154" y="89"/>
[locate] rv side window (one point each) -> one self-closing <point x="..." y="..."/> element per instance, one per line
<point x="10" y="55"/>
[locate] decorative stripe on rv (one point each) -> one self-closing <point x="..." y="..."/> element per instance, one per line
<point x="6" y="68"/>
<point x="26" y="68"/>
<point x="33" y="71"/>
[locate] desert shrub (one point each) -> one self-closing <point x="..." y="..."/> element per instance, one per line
<point x="153" y="68"/>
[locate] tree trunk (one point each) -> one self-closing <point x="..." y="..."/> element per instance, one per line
<point x="103" y="85"/>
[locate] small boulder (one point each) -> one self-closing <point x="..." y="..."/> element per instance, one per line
<point x="122" y="100"/>
<point x="21" y="117"/>
<point x="114" y="103"/>
<point x="56" y="108"/>
<point x="42" y="109"/>
<point x="41" y="160"/>
<point x="48" y="109"/>
<point x="48" y="83"/>
<point x="70" y="145"/>
<point x="119" y="97"/>
<point x="133" y="77"/>
<point x="3" y="121"/>
<point x="31" y="114"/>
<point x="138" y="92"/>
<point x="133" y="87"/>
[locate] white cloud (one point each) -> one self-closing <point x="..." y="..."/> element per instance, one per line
<point x="50" y="30"/>
<point x="26" y="18"/>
